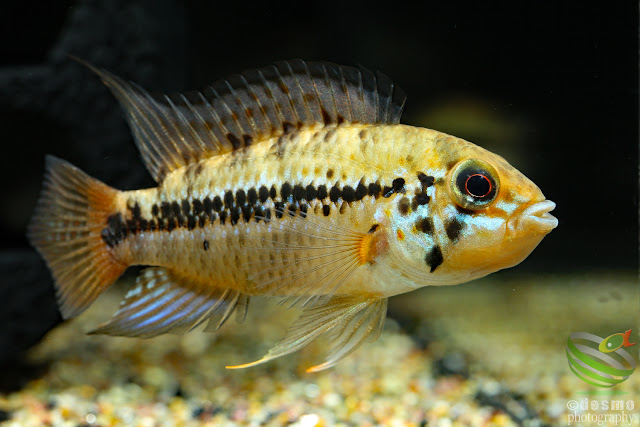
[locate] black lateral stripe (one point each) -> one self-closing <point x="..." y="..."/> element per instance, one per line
<point x="245" y="205"/>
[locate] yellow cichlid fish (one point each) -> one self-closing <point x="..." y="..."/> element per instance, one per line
<point x="295" y="181"/>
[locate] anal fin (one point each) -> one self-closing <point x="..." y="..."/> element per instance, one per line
<point x="349" y="321"/>
<point x="162" y="302"/>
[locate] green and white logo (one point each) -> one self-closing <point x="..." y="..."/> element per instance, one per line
<point x="601" y="362"/>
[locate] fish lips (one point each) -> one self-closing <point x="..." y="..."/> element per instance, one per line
<point x="537" y="216"/>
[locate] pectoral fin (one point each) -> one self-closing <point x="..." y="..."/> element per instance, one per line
<point x="348" y="320"/>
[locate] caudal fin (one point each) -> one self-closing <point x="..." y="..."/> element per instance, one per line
<point x="66" y="227"/>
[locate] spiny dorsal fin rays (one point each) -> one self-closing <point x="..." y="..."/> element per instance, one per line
<point x="161" y="302"/>
<point x="177" y="130"/>
<point x="352" y="319"/>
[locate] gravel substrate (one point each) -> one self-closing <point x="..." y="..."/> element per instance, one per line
<point x="486" y="353"/>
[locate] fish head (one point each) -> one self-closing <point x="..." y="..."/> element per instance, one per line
<point x="483" y="216"/>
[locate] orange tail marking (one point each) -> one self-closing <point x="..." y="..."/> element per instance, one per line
<point x="66" y="229"/>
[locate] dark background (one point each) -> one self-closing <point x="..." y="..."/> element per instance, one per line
<point x="551" y="87"/>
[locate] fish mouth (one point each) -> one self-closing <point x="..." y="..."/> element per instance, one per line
<point x="538" y="215"/>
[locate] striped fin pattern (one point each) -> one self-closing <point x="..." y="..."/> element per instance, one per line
<point x="177" y="130"/>
<point x="162" y="303"/>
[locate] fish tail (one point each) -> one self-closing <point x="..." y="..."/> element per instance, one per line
<point x="66" y="229"/>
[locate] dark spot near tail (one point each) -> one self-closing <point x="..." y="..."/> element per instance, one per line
<point x="248" y="140"/>
<point x="252" y="196"/>
<point x="348" y="194"/>
<point x="335" y="194"/>
<point x="202" y="220"/>
<point x="303" y="210"/>
<point x="263" y="194"/>
<point x="330" y="173"/>
<point x="340" y="119"/>
<point x="387" y="191"/>
<point x="155" y="210"/>
<point x="434" y="258"/>
<point x="191" y="222"/>
<point x="115" y="231"/>
<point x="223" y="217"/>
<point x="326" y="210"/>
<point x="425" y="225"/>
<point x="171" y="224"/>
<point x="398" y="185"/>
<point x="291" y="210"/>
<point x="404" y="206"/>
<point x="205" y="245"/>
<point x="453" y="229"/>
<point x="373" y="228"/>
<point x="272" y="192"/>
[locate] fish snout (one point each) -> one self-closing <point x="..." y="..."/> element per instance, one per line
<point x="537" y="216"/>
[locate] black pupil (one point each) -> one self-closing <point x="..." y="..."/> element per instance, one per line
<point x="478" y="185"/>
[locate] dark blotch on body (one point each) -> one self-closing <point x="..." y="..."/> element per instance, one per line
<point x="335" y="194"/>
<point x="285" y="191"/>
<point x="425" y="180"/>
<point x="348" y="194"/>
<point x="263" y="194"/>
<point x="425" y="225"/>
<point x="434" y="258"/>
<point x="252" y="196"/>
<point x="115" y="231"/>
<point x="299" y="193"/>
<point x="398" y="185"/>
<point x="453" y="229"/>
<point x="404" y="206"/>
<point x="205" y="245"/>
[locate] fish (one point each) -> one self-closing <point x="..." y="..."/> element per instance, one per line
<point x="294" y="181"/>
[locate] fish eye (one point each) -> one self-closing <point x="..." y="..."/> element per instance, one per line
<point x="474" y="184"/>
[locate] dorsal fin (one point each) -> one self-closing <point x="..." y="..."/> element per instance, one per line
<point x="174" y="131"/>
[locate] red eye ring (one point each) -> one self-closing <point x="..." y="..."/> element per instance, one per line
<point x="484" y="182"/>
